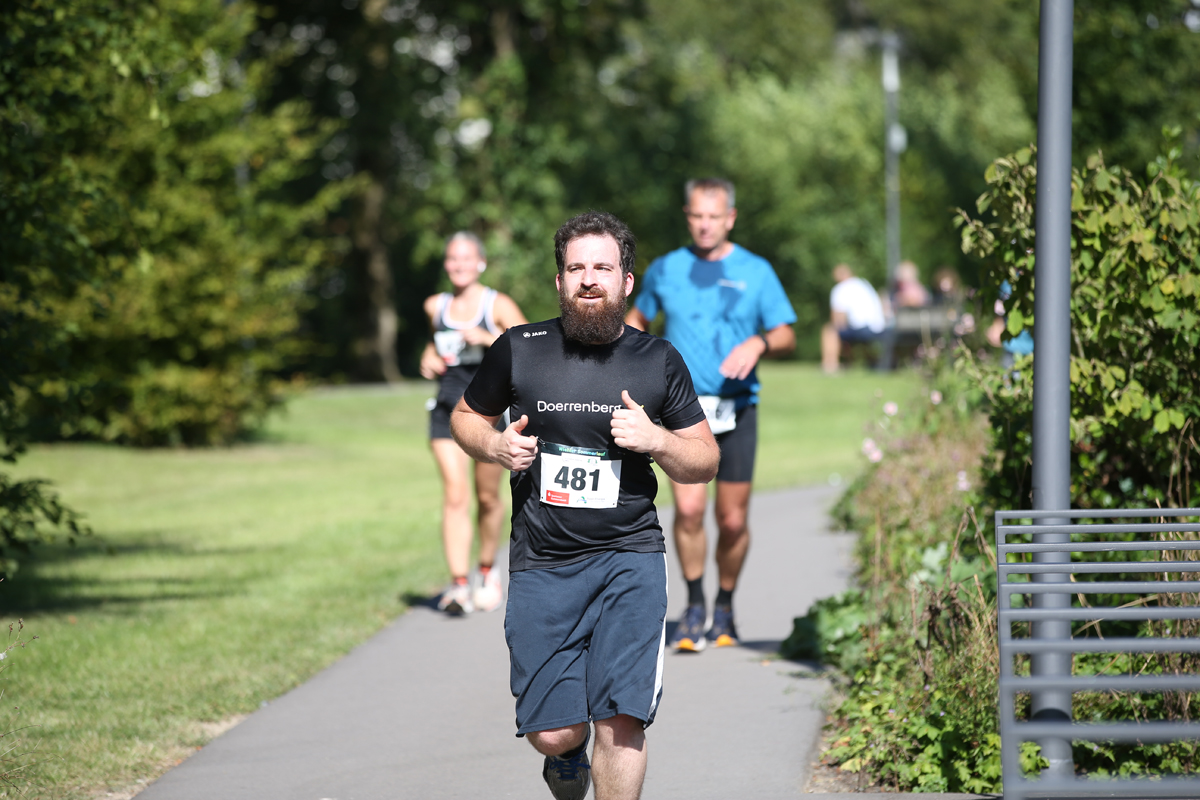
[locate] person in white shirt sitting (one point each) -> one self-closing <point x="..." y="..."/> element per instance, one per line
<point x="855" y="315"/>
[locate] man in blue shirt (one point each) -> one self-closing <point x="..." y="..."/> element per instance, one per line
<point x="725" y="309"/>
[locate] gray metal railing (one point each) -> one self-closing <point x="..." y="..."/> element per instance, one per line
<point x="1092" y="537"/>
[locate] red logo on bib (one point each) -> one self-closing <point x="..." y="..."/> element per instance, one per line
<point x="557" y="497"/>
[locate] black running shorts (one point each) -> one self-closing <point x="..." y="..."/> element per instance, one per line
<point x="439" y="420"/>
<point x="586" y="640"/>
<point x="738" y="448"/>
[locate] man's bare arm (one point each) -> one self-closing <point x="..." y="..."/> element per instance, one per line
<point x="636" y="319"/>
<point x="688" y="455"/>
<point x="743" y="358"/>
<point x="477" y="436"/>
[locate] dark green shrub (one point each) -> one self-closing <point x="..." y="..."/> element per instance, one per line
<point x="921" y="710"/>
<point x="831" y="632"/>
<point x="1135" y="322"/>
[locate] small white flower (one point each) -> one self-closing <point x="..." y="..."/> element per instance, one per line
<point x="875" y="456"/>
<point x="935" y="397"/>
<point x="890" y="408"/>
<point x="962" y="484"/>
<point x="869" y="445"/>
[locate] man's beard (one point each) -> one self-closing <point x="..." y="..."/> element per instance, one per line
<point x="592" y="323"/>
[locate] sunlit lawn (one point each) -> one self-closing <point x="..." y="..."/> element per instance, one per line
<point x="221" y="579"/>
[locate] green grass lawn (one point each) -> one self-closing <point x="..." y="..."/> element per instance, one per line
<point x="219" y="579"/>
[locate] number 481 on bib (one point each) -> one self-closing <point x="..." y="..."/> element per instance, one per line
<point x="579" y="477"/>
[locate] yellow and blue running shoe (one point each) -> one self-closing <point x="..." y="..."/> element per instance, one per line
<point x="689" y="634"/>
<point x="722" y="633"/>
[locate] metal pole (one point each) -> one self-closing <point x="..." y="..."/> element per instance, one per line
<point x="1052" y="352"/>
<point x="896" y="142"/>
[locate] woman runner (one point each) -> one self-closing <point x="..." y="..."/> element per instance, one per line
<point x="465" y="321"/>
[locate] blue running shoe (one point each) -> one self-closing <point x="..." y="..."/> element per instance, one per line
<point x="569" y="778"/>
<point x="723" y="633"/>
<point x="689" y="634"/>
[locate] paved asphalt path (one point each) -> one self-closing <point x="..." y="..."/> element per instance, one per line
<point x="423" y="709"/>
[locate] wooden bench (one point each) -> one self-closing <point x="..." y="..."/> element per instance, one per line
<point x="914" y="327"/>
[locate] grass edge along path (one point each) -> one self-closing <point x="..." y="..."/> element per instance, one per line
<point x="221" y="579"/>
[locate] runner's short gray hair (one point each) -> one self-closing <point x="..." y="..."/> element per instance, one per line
<point x="709" y="185"/>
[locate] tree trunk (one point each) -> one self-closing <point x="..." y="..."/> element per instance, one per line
<point x="380" y="349"/>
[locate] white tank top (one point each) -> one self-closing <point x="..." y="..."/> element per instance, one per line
<point x="447" y="333"/>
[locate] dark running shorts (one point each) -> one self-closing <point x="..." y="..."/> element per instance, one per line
<point x="859" y="335"/>
<point x="439" y="420"/>
<point x="738" y="447"/>
<point x="586" y="640"/>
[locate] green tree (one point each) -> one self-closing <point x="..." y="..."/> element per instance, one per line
<point x="152" y="263"/>
<point x="59" y="67"/>
<point x="181" y="342"/>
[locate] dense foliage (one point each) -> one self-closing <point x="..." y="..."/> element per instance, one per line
<point x="152" y="262"/>
<point x="509" y="117"/>
<point x="916" y="641"/>
<point x="1135" y="315"/>
<point x="58" y="76"/>
<point x="923" y="615"/>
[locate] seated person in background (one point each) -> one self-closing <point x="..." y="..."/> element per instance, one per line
<point x="907" y="290"/>
<point x="947" y="288"/>
<point x="855" y="315"/>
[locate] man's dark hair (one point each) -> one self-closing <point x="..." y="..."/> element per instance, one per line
<point x="595" y="223"/>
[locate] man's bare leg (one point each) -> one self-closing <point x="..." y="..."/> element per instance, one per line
<point x="556" y="741"/>
<point x="690" y="541"/>
<point x="733" y="538"/>
<point x="567" y="774"/>
<point x="831" y="348"/>
<point x="619" y="759"/>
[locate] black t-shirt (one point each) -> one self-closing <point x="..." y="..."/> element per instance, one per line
<point x="569" y="392"/>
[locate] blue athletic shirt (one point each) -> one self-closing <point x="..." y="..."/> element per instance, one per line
<point x="711" y="308"/>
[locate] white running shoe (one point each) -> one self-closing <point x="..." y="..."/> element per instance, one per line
<point x="487" y="594"/>
<point x="456" y="600"/>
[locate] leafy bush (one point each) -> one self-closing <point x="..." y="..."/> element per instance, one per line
<point x="918" y="685"/>
<point x="1135" y="321"/>
<point x="919" y="703"/>
<point x="831" y="631"/>
<point x="27" y="511"/>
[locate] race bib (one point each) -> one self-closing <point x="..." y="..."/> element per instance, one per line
<point x="454" y="350"/>
<point x="579" y="477"/>
<point x="720" y="411"/>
